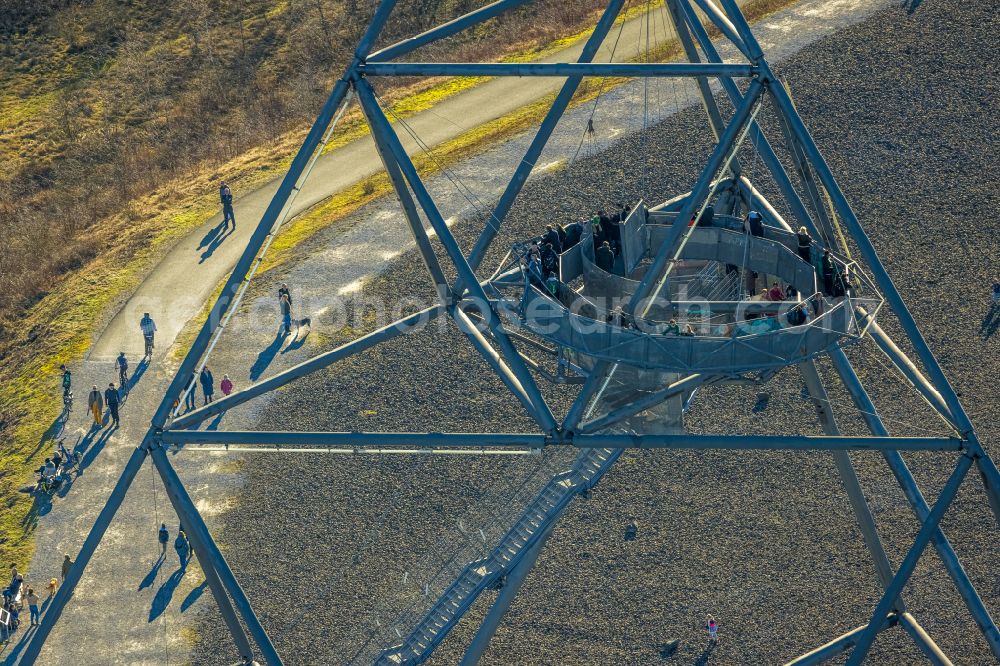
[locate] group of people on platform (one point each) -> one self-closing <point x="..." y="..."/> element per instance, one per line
<point x="543" y="272"/>
<point x="543" y="254"/>
<point x="830" y="277"/>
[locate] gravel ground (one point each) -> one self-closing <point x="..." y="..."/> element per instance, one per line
<point x="765" y="542"/>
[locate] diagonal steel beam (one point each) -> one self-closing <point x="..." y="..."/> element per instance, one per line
<point x="757" y="137"/>
<point x="725" y="26"/>
<point x="405" y="325"/>
<point x="739" y="23"/>
<point x="541" y="138"/>
<point x="644" y="403"/>
<point x="448" y="29"/>
<point x="910" y="561"/>
<point x="589" y="389"/>
<point x="214" y="583"/>
<point x="270" y="216"/>
<point x="838" y="645"/>
<point x="196" y="528"/>
<point x="849" y="477"/>
<point x="715" y="162"/>
<point x="511" y="584"/>
<point x="65" y="590"/>
<point x="934" y="654"/>
<point x="917" y="502"/>
<point x="412" y="218"/>
<point x="382" y="131"/>
<point x="495" y="361"/>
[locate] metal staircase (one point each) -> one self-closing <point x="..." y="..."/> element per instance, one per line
<point x="543" y="511"/>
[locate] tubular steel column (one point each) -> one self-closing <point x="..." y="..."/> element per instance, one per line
<point x="214" y="584"/>
<point x="545" y="419"/>
<point x="511" y="585"/>
<point x="65" y="591"/>
<point x="849" y="477"/>
<point x="917" y="502"/>
<point x="197" y="529"/>
<point x="270" y="216"/>
<point x="699" y="191"/>
<point x="545" y="130"/>
<point x="910" y="561"/>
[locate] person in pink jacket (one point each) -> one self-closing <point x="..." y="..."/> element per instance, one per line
<point x="226" y="385"/>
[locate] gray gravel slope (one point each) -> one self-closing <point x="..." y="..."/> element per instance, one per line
<point x="765" y="542"/>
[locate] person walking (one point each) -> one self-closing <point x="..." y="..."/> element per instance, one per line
<point x="226" y="196"/>
<point x="163" y="536"/>
<point x="226" y="385"/>
<point x="113" y="401"/>
<point x="67" y="564"/>
<point x="713" y="629"/>
<point x="286" y="313"/>
<point x="189" y="400"/>
<point x="95" y="403"/>
<point x="283" y="290"/>
<point x="33" y="601"/>
<point x="67" y="380"/>
<point x="183" y="548"/>
<point x="207" y="384"/>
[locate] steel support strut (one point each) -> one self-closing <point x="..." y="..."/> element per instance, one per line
<point x="545" y="130"/>
<point x="65" y="591"/>
<point x="917" y="502"/>
<point x="198" y="532"/>
<point x="384" y="132"/>
<point x="910" y="561"/>
<point x="444" y="30"/>
<point x="271" y="214"/>
<point x="849" y="477"/>
<point x="698" y="192"/>
<point x="319" y="362"/>
<point x="214" y="582"/>
<point x="512" y="583"/>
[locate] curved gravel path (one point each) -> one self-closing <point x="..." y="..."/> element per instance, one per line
<point x="765" y="542"/>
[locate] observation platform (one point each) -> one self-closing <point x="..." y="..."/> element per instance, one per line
<point x="720" y="326"/>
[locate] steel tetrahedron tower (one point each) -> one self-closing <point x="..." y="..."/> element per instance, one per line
<point x="638" y="332"/>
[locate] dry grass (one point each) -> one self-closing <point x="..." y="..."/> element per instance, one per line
<point x="60" y="325"/>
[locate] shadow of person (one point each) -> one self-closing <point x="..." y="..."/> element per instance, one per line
<point x="91" y="451"/>
<point x="15" y="652"/>
<point x="212" y="234"/>
<point x="140" y="370"/>
<point x="911" y="5"/>
<point x="163" y="595"/>
<point x="990" y="322"/>
<point x="297" y="341"/>
<point x="193" y="596"/>
<point x="153" y="572"/>
<point x="214" y="425"/>
<point x="265" y="357"/>
<point x="214" y="245"/>
<point x="763" y="400"/>
<point x="705" y="655"/>
<point x="50" y="434"/>
<point x="41" y="504"/>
